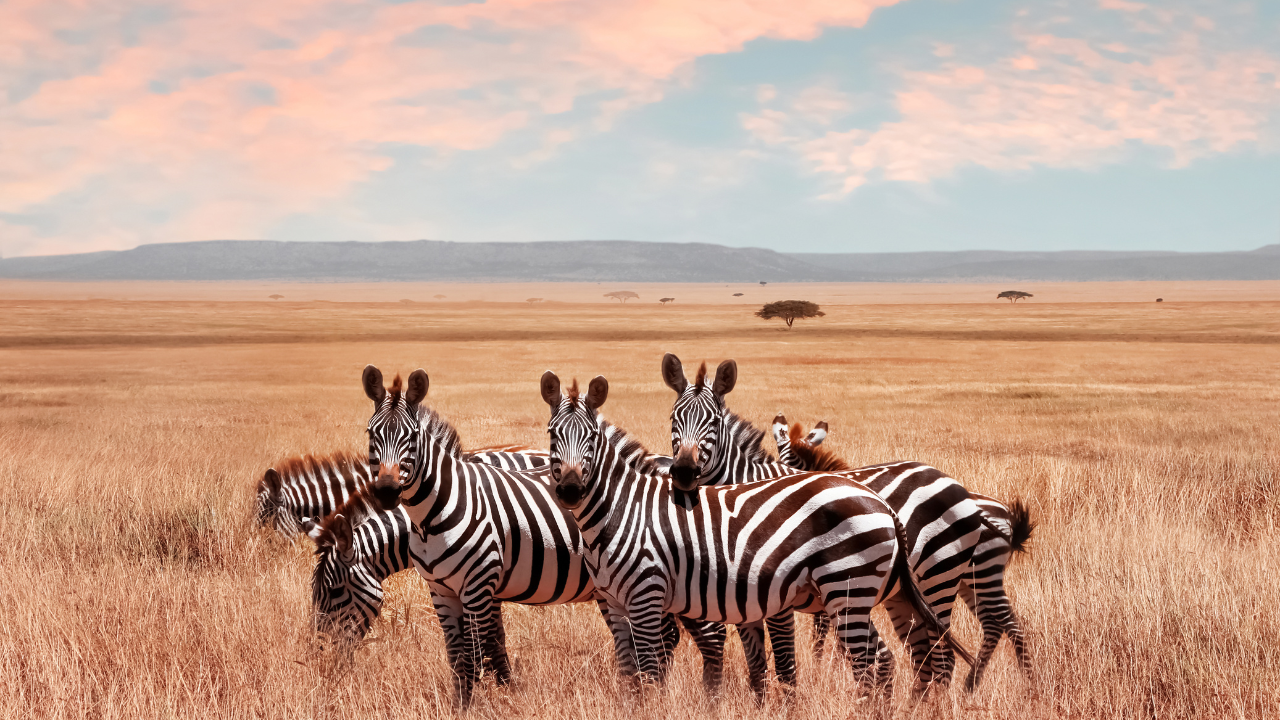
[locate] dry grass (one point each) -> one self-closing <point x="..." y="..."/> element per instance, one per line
<point x="132" y="432"/>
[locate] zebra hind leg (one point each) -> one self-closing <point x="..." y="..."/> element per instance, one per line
<point x="821" y="626"/>
<point x="496" y="660"/>
<point x="861" y="644"/>
<point x="782" y="641"/>
<point x="710" y="639"/>
<point x="752" y="635"/>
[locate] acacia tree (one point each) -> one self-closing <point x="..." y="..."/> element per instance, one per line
<point x="789" y="311"/>
<point x="622" y="295"/>
<point x="439" y="297"/>
<point x="737" y="294"/>
<point x="533" y="300"/>
<point x="275" y="297"/>
<point x="1013" y="295"/>
<point x="664" y="301"/>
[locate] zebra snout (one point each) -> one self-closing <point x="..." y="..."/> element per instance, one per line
<point x="569" y="487"/>
<point x="684" y="468"/>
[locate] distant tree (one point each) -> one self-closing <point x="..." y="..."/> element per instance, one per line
<point x="622" y="295"/>
<point x="762" y="282"/>
<point x="439" y="297"/>
<point x="276" y="297"/>
<point x="737" y="294"/>
<point x="664" y="301"/>
<point x="407" y="301"/>
<point x="533" y="300"/>
<point x="1013" y="295"/>
<point x="1159" y="299"/>
<point x="789" y="310"/>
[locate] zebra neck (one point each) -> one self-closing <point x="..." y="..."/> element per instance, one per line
<point x="385" y="545"/>
<point x="742" y="460"/>
<point x="612" y="481"/>
<point x="436" y="485"/>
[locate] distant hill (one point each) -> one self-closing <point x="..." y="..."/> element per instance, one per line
<point x="619" y="260"/>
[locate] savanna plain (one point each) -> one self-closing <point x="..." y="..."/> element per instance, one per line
<point x="1141" y="435"/>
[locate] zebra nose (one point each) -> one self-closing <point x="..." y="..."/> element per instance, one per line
<point x="686" y="457"/>
<point x="388" y="473"/>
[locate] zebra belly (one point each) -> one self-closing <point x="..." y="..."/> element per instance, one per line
<point x="752" y="551"/>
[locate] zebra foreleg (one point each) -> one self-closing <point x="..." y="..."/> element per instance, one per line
<point x="782" y="641"/>
<point x="709" y="637"/>
<point x="752" y="635"/>
<point x="495" y="654"/>
<point x="453" y="621"/>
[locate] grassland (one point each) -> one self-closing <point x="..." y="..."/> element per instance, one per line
<point x="1141" y="435"/>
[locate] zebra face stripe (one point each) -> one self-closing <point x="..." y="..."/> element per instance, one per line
<point x="696" y="420"/>
<point x="573" y="431"/>
<point x="393" y="440"/>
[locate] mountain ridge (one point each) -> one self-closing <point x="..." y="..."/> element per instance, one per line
<point x="621" y="261"/>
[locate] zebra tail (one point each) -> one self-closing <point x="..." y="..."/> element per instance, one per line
<point x="902" y="568"/>
<point x="1023" y="526"/>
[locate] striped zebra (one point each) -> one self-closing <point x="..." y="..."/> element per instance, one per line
<point x="487" y="534"/>
<point x="737" y="554"/>
<point x="981" y="588"/>
<point x="304" y="489"/>
<point x="712" y="446"/>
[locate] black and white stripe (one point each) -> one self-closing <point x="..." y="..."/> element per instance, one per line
<point x="982" y="587"/>
<point x="712" y="446"/>
<point x="487" y="534"/>
<point x="304" y="489"/>
<point x="737" y="554"/>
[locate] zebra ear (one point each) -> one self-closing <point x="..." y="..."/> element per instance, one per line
<point x="417" y="391"/>
<point x="341" y="529"/>
<point x="779" y="428"/>
<point x="373" y="384"/>
<point x="726" y="378"/>
<point x="310" y="527"/>
<point x="272" y="482"/>
<point x="818" y="434"/>
<point x="551" y="389"/>
<point x="673" y="373"/>
<point x="597" y="392"/>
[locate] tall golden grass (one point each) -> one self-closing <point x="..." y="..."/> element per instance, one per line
<point x="132" y="583"/>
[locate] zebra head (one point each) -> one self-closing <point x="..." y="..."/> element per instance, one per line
<point x="574" y="430"/>
<point x="393" y="429"/>
<point x="272" y="511"/>
<point x="345" y="595"/>
<point x="697" y="420"/>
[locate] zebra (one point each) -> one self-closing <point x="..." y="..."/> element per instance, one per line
<point x="712" y="446"/>
<point x="487" y="534"/>
<point x="981" y="588"/>
<point x="305" y="489"/>
<point x="737" y="554"/>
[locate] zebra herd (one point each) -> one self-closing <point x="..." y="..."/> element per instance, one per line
<point x="717" y="533"/>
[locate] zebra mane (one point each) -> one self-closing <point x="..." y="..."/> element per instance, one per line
<point x="748" y="438"/>
<point x="814" y="458"/>
<point x="433" y="425"/>
<point x="630" y="449"/>
<point x="299" y="466"/>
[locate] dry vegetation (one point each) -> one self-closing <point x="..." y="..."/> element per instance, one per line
<point x="1141" y="435"/>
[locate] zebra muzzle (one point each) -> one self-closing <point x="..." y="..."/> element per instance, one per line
<point x="570" y="488"/>
<point x="685" y="470"/>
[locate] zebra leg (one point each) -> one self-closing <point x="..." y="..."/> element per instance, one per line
<point x="495" y="654"/>
<point x="709" y="637"/>
<point x="911" y="631"/>
<point x="752" y="635"/>
<point x="883" y="665"/>
<point x="861" y="644"/>
<point x="821" y="626"/>
<point x="623" y="647"/>
<point x="670" y="640"/>
<point x="782" y="641"/>
<point x="646" y="624"/>
<point x="453" y="621"/>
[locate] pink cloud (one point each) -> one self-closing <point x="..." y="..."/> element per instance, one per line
<point x="1058" y="103"/>
<point x="275" y="108"/>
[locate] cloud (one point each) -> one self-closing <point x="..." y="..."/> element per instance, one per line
<point x="218" y="119"/>
<point x="1057" y="101"/>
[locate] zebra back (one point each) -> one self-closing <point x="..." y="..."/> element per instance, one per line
<point x="302" y="487"/>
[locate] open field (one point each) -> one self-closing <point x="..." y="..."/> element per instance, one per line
<point x="131" y="433"/>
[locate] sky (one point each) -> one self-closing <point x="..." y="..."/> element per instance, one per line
<point x="796" y="125"/>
